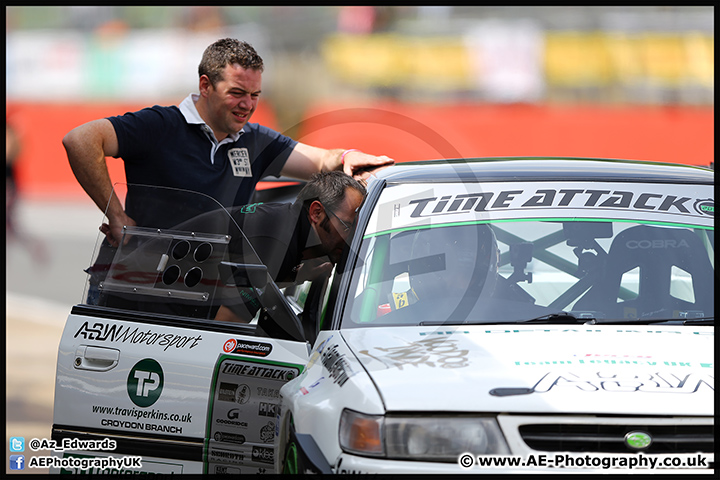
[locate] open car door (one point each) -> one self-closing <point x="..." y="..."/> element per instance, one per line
<point x="147" y="380"/>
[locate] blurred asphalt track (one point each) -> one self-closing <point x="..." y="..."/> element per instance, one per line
<point x="44" y="279"/>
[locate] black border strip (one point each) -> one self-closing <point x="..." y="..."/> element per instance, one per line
<point x="140" y="444"/>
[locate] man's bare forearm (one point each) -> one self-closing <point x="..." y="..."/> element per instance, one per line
<point x="86" y="147"/>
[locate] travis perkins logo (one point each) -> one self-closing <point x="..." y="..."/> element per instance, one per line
<point x="575" y="198"/>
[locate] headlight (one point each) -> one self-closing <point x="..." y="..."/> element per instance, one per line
<point x="437" y="438"/>
<point x="361" y="434"/>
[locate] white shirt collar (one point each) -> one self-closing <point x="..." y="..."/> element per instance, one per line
<point x="189" y="111"/>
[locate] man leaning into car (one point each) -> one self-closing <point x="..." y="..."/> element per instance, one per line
<point x="302" y="240"/>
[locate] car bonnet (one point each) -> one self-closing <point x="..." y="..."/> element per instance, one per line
<point x="625" y="369"/>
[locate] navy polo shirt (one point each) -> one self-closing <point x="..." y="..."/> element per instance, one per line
<point x="161" y="147"/>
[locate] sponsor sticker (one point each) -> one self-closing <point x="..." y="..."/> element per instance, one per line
<point x="245" y="403"/>
<point x="230" y="345"/>
<point x="339" y="369"/>
<point x="145" y="382"/>
<point x="232" y="392"/>
<point x="229" y="438"/>
<point x="705" y="207"/>
<point x="266" y="409"/>
<point x="411" y="206"/>
<point x="248" y="347"/>
<point x="263" y="455"/>
<point x="119" y="333"/>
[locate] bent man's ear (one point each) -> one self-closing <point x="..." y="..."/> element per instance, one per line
<point x="316" y="212"/>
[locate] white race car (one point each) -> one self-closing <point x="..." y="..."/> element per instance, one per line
<point x="489" y="315"/>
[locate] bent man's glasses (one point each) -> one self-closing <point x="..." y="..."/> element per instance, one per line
<point x="346" y="227"/>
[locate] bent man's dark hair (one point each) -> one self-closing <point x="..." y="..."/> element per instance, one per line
<point x="328" y="188"/>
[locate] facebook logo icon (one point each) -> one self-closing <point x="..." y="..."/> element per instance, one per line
<point x="17" y="462"/>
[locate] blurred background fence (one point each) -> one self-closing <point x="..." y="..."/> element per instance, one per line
<point x="631" y="82"/>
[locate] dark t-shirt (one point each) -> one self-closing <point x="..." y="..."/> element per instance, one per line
<point x="159" y="147"/>
<point x="278" y="233"/>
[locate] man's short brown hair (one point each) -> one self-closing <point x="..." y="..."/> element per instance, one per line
<point x="228" y="51"/>
<point x="328" y="188"/>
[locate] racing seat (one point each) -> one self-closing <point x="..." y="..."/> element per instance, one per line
<point x="654" y="250"/>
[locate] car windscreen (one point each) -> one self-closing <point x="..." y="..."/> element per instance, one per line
<point x="515" y="252"/>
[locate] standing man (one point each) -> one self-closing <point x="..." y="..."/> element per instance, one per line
<point x="205" y="144"/>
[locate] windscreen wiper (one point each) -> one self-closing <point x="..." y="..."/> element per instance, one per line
<point x="560" y="317"/>
<point x="567" y="318"/>
<point x="551" y="318"/>
<point x="700" y="321"/>
<point x="439" y="324"/>
<point x="654" y="321"/>
<point x="588" y="319"/>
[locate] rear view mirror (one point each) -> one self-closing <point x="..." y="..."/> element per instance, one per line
<point x="581" y="234"/>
